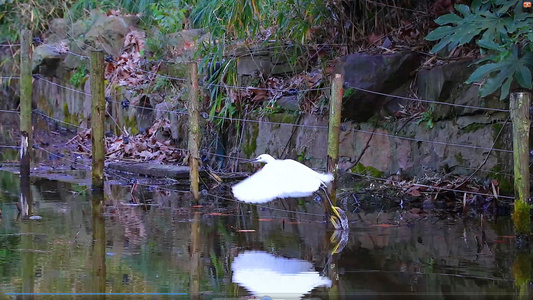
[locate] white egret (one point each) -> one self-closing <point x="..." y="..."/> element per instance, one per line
<point x="264" y="274"/>
<point x="279" y="179"/>
<point x="284" y="179"/>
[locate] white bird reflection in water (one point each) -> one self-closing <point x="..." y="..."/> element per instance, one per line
<point x="264" y="274"/>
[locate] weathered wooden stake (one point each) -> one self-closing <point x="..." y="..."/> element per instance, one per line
<point x="335" y="109"/>
<point x="195" y="268"/>
<point x="97" y="118"/>
<point x="25" y="101"/>
<point x="194" y="129"/>
<point x="98" y="250"/>
<point x="519" y="106"/>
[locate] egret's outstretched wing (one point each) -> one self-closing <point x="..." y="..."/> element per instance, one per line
<point x="280" y="179"/>
<point x="304" y="172"/>
<point x="258" y="188"/>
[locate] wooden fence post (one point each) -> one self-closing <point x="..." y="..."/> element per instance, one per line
<point x="519" y="107"/>
<point x="97" y="118"/>
<point x="98" y="273"/>
<point x="194" y="129"/>
<point x="26" y="87"/>
<point x="335" y="109"/>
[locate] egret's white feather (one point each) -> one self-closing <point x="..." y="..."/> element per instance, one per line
<point x="279" y="179"/>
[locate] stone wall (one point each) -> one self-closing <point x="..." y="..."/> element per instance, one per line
<point x="387" y="154"/>
<point x="393" y="148"/>
<point x="398" y="74"/>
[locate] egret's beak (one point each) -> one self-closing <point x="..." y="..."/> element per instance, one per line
<point x="247" y="161"/>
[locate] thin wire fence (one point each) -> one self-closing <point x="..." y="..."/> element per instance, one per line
<point x="302" y="90"/>
<point x="267" y="207"/>
<point x="9" y="111"/>
<point x="62" y="50"/>
<point x="321" y="127"/>
<point x="266" y="89"/>
<point x="63" y="86"/>
<point x="310" y="126"/>
<point x="429" y="101"/>
<point x="435" y="188"/>
<point x="259" y="121"/>
<point x="57" y="120"/>
<point x="216" y="196"/>
<point x="62" y="157"/>
<point x="176" y="112"/>
<point x="159" y="187"/>
<point x="162" y="76"/>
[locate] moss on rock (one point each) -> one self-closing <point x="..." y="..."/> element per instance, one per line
<point x="366" y="170"/>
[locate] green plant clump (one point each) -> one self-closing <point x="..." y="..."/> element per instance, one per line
<point x="427" y="117"/>
<point x="366" y="170"/>
<point x="79" y="77"/>
<point x="502" y="30"/>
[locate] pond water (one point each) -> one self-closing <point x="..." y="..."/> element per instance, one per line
<point x="152" y="242"/>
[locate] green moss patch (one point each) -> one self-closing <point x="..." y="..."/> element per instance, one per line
<point x="522" y="217"/>
<point x="250" y="147"/>
<point x="68" y="117"/>
<point x="473" y="127"/>
<point x="505" y="182"/>
<point x="364" y="170"/>
<point x="131" y="125"/>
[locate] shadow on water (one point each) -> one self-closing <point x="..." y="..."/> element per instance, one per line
<point x="57" y="237"/>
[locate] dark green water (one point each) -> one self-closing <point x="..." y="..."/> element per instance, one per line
<point x="81" y="243"/>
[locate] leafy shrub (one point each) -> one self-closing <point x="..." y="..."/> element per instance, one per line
<point x="503" y="32"/>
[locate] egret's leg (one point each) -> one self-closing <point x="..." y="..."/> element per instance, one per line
<point x="323" y="188"/>
<point x="338" y="221"/>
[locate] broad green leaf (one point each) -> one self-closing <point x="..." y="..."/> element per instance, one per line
<point x="523" y="76"/>
<point x="492" y="58"/>
<point x="440" y="45"/>
<point x="488" y="44"/>
<point x="449" y="18"/>
<point x="527" y="58"/>
<point x="440" y="33"/>
<point x="506" y="5"/>
<point x="463" y="9"/>
<point x="489" y="87"/>
<point x="530" y="37"/>
<point x="501" y="74"/>
<point x="482" y="71"/>
<point x="468" y="35"/>
<point x="505" y="88"/>
<point x="453" y="44"/>
<point x="492" y="26"/>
